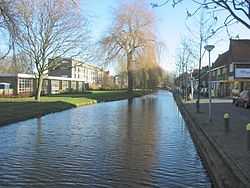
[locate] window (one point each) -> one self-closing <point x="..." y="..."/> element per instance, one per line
<point x="45" y="87"/>
<point x="80" y="86"/>
<point x="25" y="85"/>
<point x="55" y="86"/>
<point x="65" y="85"/>
<point x="73" y="85"/>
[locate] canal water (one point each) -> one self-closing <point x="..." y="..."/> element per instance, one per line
<point x="142" y="142"/>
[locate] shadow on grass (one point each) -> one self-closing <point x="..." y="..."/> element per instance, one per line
<point x="11" y="112"/>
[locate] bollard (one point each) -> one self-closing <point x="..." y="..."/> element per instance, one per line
<point x="248" y="136"/>
<point x="226" y="122"/>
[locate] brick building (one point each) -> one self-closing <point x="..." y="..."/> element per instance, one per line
<point x="231" y="70"/>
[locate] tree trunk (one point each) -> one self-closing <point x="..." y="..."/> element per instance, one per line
<point x="186" y="83"/>
<point x="130" y="72"/>
<point x="39" y="87"/>
<point x="199" y="81"/>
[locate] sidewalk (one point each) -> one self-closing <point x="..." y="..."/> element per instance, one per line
<point x="232" y="143"/>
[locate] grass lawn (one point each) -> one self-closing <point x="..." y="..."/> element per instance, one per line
<point x="17" y="109"/>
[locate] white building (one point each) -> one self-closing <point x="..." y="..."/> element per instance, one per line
<point x="70" y="68"/>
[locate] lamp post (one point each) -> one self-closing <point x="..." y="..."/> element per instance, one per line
<point x="209" y="48"/>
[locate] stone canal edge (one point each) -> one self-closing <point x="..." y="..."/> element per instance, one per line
<point x="222" y="170"/>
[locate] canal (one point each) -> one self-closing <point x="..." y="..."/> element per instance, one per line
<point x="142" y="142"/>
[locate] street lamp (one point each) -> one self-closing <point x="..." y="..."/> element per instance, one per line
<point x="209" y="48"/>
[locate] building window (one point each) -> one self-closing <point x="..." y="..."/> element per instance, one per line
<point x="55" y="86"/>
<point x="65" y="85"/>
<point x="25" y="85"/>
<point x="80" y="86"/>
<point x="45" y="87"/>
<point x="73" y="85"/>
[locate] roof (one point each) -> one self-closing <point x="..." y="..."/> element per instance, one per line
<point x="222" y="59"/>
<point x="203" y="72"/>
<point x="240" y="50"/>
<point x="84" y="64"/>
<point x="195" y="72"/>
<point x="80" y="63"/>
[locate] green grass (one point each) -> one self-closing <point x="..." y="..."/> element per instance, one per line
<point x="103" y="96"/>
<point x="17" y="109"/>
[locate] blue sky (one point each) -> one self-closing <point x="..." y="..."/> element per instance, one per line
<point x="170" y="23"/>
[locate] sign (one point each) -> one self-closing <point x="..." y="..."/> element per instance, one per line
<point x="242" y="73"/>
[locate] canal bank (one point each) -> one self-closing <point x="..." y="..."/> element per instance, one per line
<point x="19" y="109"/>
<point x="225" y="169"/>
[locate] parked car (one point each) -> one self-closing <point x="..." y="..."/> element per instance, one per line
<point x="243" y="99"/>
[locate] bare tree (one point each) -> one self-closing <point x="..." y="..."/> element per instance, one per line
<point x="21" y="64"/>
<point x="236" y="10"/>
<point x="200" y="37"/>
<point x="49" y="30"/>
<point x="130" y="33"/>
<point x="121" y="71"/>
<point x="186" y="58"/>
<point x="208" y="28"/>
<point x="147" y="72"/>
<point x="147" y="65"/>
<point x="8" y="28"/>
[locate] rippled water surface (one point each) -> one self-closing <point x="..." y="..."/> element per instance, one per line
<point x="142" y="142"/>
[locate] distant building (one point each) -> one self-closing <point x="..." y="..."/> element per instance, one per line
<point x="70" y="68"/>
<point x="230" y="73"/>
<point x="68" y="76"/>
<point x="25" y="84"/>
<point x="231" y="70"/>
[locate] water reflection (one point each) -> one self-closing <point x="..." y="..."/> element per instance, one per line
<point x="139" y="142"/>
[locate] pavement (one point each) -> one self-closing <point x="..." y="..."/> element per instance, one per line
<point x="233" y="142"/>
